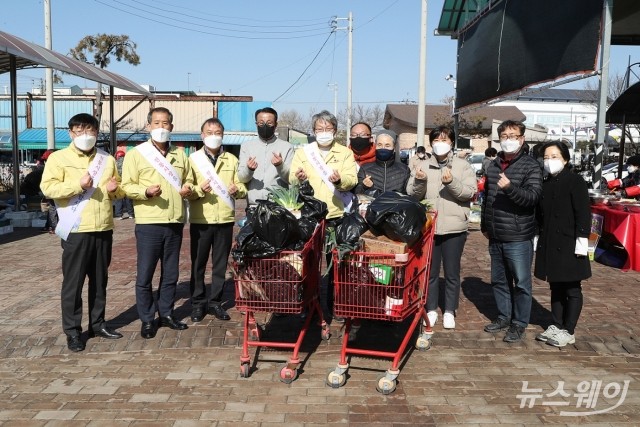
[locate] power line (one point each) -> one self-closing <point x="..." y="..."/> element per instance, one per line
<point x="261" y="37"/>
<point x="376" y="16"/>
<point x="240" y="18"/>
<point x="199" y="20"/>
<point x="305" y="70"/>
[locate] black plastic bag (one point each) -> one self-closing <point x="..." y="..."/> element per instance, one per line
<point x="350" y="229"/>
<point x="312" y="207"/>
<point x="400" y="218"/>
<point x="250" y="246"/>
<point x="275" y="225"/>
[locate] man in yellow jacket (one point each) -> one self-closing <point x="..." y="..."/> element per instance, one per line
<point x="83" y="181"/>
<point x="331" y="171"/>
<point x="212" y="216"/>
<point x="157" y="177"/>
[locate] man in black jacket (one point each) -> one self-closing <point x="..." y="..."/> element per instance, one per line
<point x="385" y="174"/>
<point x="512" y="189"/>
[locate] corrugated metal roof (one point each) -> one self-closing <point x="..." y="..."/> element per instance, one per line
<point x="29" y="55"/>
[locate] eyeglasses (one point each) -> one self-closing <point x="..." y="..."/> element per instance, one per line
<point x="270" y="124"/>
<point x="360" y="135"/>
<point x="87" y="131"/>
<point x="505" y="137"/>
<point x="324" y="130"/>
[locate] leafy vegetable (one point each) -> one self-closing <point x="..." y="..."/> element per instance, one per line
<point x="286" y="197"/>
<point x="427" y="204"/>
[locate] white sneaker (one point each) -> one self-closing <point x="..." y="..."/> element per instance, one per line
<point x="433" y="318"/>
<point x="561" y="338"/>
<point x="448" y="321"/>
<point x="549" y="333"/>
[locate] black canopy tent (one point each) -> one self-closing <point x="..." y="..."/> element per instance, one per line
<point x="16" y="53"/>
<point x="625" y="110"/>
<point x="503" y="46"/>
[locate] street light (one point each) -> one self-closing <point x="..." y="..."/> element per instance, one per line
<point x="454" y="113"/>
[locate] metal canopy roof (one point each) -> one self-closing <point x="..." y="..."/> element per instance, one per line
<point x="31" y="55"/>
<point x="625" y="29"/>
<point x="456" y="13"/>
<point x="626" y="108"/>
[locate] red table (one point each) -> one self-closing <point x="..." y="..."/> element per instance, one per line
<point x="625" y="226"/>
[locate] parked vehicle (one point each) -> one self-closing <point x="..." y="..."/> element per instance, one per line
<point x="609" y="172"/>
<point x="476" y="162"/>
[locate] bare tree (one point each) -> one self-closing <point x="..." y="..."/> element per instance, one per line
<point x="102" y="47"/>
<point x="615" y="86"/>
<point x="294" y="120"/>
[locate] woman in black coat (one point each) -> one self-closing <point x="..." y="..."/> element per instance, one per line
<point x="564" y="220"/>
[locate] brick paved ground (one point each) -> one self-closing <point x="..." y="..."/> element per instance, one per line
<point x="191" y="377"/>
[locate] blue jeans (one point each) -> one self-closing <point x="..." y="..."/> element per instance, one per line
<point x="511" y="279"/>
<point x="123" y="204"/>
<point x="157" y="242"/>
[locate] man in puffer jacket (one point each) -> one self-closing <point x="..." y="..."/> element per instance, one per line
<point x="512" y="189"/>
<point x="385" y="174"/>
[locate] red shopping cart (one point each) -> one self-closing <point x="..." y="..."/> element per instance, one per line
<point x="286" y="283"/>
<point x="383" y="287"/>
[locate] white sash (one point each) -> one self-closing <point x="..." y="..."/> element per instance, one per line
<point x="160" y="163"/>
<point x="70" y="216"/>
<point x="205" y="167"/>
<point x="315" y="158"/>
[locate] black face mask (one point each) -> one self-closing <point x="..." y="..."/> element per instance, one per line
<point x="266" y="132"/>
<point x="360" y="144"/>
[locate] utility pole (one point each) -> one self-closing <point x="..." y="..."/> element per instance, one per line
<point x="51" y="133"/>
<point x="422" y="79"/>
<point x="188" y="82"/>
<point x="349" y="29"/>
<point x="599" y="143"/>
<point x="334" y="86"/>
<point x="454" y="113"/>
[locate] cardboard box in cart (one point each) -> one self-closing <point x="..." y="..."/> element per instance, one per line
<point x="382" y="244"/>
<point x="373" y="244"/>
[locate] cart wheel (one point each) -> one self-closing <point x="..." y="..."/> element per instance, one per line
<point x="288" y="375"/>
<point x="385" y="385"/>
<point x="336" y="380"/>
<point x="244" y="370"/>
<point x="423" y="344"/>
<point x="325" y="334"/>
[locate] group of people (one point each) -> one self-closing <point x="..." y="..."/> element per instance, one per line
<point x="528" y="209"/>
<point x="159" y="179"/>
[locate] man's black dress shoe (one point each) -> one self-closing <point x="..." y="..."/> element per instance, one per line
<point x="172" y="323"/>
<point x="219" y="312"/>
<point x="75" y="344"/>
<point x="197" y="314"/>
<point x="107" y="333"/>
<point x="148" y="330"/>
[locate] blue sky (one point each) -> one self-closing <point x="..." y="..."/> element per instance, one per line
<point x="260" y="49"/>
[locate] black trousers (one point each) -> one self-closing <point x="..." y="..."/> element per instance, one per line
<point x="214" y="239"/>
<point x="566" y="304"/>
<point x="85" y="255"/>
<point x="157" y="242"/>
<point x="447" y="250"/>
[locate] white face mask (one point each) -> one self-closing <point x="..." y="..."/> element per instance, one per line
<point x="631" y="168"/>
<point x="160" y="135"/>
<point x="84" y="142"/>
<point x="324" y="139"/>
<point x="510" y="146"/>
<point x="553" y="166"/>
<point x="213" y="141"/>
<point x="440" y="148"/>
